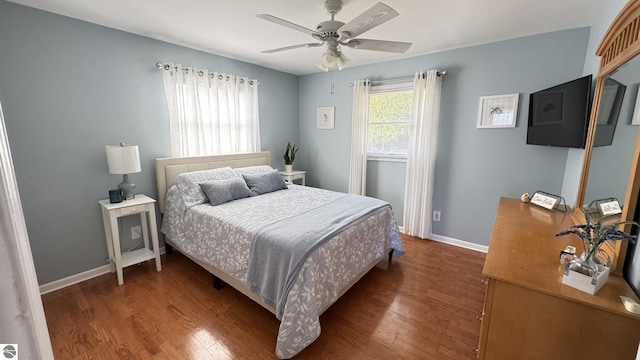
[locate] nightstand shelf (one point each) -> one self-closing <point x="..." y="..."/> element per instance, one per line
<point x="136" y="257"/>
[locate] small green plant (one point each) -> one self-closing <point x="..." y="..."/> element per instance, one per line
<point x="290" y="153"/>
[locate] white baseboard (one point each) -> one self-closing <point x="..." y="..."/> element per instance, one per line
<point x="74" y="279"/>
<point x="459" y="243"/>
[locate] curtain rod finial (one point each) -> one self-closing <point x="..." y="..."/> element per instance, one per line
<point x="159" y="65"/>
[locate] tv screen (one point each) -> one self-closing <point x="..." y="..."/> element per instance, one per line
<point x="610" y="104"/>
<point x="559" y="115"/>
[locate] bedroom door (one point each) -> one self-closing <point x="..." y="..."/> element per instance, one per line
<point x="22" y="321"/>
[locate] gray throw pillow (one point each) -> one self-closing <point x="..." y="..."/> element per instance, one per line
<point x="265" y="182"/>
<point x="225" y="190"/>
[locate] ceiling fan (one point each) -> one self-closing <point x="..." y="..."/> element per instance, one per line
<point x="334" y="34"/>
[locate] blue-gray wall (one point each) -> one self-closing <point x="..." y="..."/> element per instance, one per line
<point x="474" y="167"/>
<point x="68" y="88"/>
<point x="387" y="181"/>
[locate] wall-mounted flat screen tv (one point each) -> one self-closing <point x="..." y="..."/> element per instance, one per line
<point x="559" y="115"/>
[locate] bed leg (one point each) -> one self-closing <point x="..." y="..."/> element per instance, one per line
<point x="168" y="249"/>
<point x="217" y="283"/>
<point x="390" y="254"/>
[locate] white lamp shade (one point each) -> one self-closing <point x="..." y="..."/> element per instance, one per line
<point x="123" y="159"/>
<point x="328" y="59"/>
<point x="342" y="61"/>
<point x="332" y="58"/>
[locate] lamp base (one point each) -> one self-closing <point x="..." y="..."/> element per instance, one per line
<point x="127" y="188"/>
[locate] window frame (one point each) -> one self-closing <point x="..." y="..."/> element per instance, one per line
<point x="381" y="89"/>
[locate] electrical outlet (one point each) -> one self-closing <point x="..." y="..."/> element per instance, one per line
<point x="436" y="215"/>
<point x="136" y="232"/>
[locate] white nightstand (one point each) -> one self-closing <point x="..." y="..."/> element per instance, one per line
<point x="142" y="205"/>
<point x="294" y="175"/>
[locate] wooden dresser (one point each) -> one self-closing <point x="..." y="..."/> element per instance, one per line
<point x="528" y="312"/>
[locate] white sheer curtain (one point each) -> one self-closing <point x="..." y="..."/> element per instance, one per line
<point x="211" y="113"/>
<point x="359" y="122"/>
<point x="423" y="141"/>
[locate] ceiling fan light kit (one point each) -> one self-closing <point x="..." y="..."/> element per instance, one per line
<point x="333" y="34"/>
<point x="331" y="58"/>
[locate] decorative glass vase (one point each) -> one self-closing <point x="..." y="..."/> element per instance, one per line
<point x="586" y="264"/>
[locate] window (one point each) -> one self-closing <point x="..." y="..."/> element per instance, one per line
<point x="211" y="113"/>
<point x="389" y="117"/>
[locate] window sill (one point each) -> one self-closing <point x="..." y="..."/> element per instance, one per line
<point x="389" y="158"/>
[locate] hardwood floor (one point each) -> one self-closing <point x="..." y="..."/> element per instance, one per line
<point x="423" y="306"/>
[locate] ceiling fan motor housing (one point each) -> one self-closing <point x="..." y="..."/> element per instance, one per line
<point x="329" y="29"/>
<point x="332" y="7"/>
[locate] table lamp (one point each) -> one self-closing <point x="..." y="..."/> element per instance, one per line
<point x="124" y="159"/>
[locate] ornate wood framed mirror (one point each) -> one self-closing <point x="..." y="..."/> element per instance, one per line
<point x="612" y="152"/>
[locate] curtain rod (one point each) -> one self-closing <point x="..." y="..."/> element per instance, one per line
<point x="162" y="66"/>
<point x="400" y="79"/>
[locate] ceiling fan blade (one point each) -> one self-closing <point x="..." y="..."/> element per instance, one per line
<point x="292" y="47"/>
<point x="366" y="21"/>
<point x="378" y="45"/>
<point x="286" y="23"/>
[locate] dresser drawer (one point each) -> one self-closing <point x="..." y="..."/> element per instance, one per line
<point x="131" y="210"/>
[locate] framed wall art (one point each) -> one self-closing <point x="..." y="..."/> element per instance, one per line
<point x="325" y="117"/>
<point x="498" y="111"/>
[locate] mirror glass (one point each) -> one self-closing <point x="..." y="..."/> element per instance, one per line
<point x="615" y="136"/>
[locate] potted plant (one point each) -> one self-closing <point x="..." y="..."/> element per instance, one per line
<point x="289" y="156"/>
<point x="590" y="264"/>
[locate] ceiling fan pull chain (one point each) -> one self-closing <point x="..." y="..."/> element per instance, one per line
<point x="331" y="88"/>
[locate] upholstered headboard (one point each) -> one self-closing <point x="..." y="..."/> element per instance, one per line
<point x="167" y="169"/>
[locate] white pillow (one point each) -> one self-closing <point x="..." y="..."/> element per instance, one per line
<point x="188" y="184"/>
<point x="253" y="170"/>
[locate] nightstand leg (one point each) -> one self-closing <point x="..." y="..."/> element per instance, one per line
<point x="145" y="231"/>
<point x="154" y="238"/>
<point x="107" y="234"/>
<point x="116" y="248"/>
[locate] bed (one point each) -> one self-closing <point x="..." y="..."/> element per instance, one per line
<point x="227" y="239"/>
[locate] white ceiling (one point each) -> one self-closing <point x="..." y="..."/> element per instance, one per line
<point x="230" y="27"/>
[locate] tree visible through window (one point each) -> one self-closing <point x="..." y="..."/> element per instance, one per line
<point x="389" y="117"/>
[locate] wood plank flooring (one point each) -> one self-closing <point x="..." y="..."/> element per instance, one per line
<point x="423" y="306"/>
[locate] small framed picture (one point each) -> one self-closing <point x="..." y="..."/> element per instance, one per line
<point x="609" y="207"/>
<point x="544" y="200"/>
<point x="498" y="111"/>
<point x="325" y="118"/>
